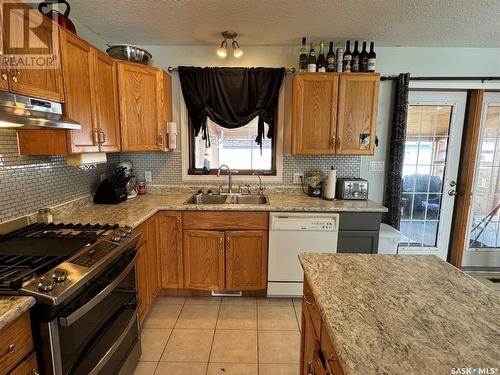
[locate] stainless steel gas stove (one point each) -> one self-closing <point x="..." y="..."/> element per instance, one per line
<point x="83" y="278"/>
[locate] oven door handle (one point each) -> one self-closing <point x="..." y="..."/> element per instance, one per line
<point x="69" y="320"/>
<point x="106" y="357"/>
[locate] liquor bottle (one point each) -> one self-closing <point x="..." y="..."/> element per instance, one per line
<point x="355" y="58"/>
<point x="311" y="59"/>
<point x="340" y="59"/>
<point x="347" y="57"/>
<point x="303" y="56"/>
<point x="330" y="59"/>
<point x="372" y="59"/>
<point x="321" y="62"/>
<point x="363" y="59"/>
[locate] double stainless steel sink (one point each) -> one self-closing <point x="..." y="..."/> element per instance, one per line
<point x="227" y="199"/>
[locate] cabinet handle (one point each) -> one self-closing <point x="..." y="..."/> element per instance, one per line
<point x="160" y="136"/>
<point x="310" y="368"/>
<point x="178" y="221"/>
<point x="103" y="140"/>
<point x="307" y="301"/>
<point x="35" y="372"/>
<point x="11" y="348"/>
<point x="228" y="241"/>
<point x="16" y="77"/>
<point x="221" y="241"/>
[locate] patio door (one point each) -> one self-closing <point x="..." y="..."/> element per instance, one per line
<point x="483" y="246"/>
<point x="430" y="169"/>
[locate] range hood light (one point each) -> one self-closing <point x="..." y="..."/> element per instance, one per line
<point x="5" y="124"/>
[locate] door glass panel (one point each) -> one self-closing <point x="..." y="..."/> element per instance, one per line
<point x="484" y="229"/>
<point x="426" y="149"/>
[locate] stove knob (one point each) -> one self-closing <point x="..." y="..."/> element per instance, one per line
<point x="127" y="229"/>
<point x="116" y="237"/>
<point x="355" y="194"/>
<point x="46" y="284"/>
<point x="122" y="233"/>
<point x="60" y="275"/>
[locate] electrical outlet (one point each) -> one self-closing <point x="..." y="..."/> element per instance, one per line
<point x="148" y="177"/>
<point x="376" y="166"/>
<point x="297" y="178"/>
<point x="103" y="177"/>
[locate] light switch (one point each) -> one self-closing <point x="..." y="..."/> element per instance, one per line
<point x="148" y="177"/>
<point x="376" y="166"/>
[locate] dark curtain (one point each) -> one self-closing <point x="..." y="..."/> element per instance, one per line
<point x="393" y="186"/>
<point x="231" y="97"/>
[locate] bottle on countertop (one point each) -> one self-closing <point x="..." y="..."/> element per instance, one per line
<point x="340" y="60"/>
<point x="44" y="216"/>
<point x="321" y="62"/>
<point x="303" y="56"/>
<point x="372" y="58"/>
<point x="363" y="59"/>
<point x="311" y="59"/>
<point x="330" y="59"/>
<point x="355" y="58"/>
<point x="347" y="57"/>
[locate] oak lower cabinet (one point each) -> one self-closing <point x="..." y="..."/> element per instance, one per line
<point x="334" y="113"/>
<point x="142" y="281"/>
<point x="145" y="95"/>
<point x="170" y="244"/>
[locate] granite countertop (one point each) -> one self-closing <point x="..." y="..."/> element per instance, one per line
<point x="12" y="307"/>
<point x="404" y="314"/>
<point x="135" y="211"/>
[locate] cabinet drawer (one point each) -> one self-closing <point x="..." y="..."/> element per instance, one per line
<point x="28" y="367"/>
<point x="16" y="342"/>
<point x="310" y="304"/>
<point x="225" y="220"/>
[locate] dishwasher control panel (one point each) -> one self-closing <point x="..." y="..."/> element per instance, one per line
<point x="305" y="222"/>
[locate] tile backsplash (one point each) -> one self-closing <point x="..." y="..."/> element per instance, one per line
<point x="29" y="183"/>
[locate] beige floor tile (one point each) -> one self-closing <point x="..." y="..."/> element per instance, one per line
<point x="170" y="300"/>
<point x="278" y="369"/>
<point x="241" y="301"/>
<point x="297" y="302"/>
<point x="181" y="368"/>
<point x="198" y="316"/>
<point x="279" y="347"/>
<point x="203" y="300"/>
<point x="237" y="317"/>
<point x="188" y="345"/>
<point x="284" y="302"/>
<point x="145" y="368"/>
<point x="232" y="369"/>
<point x="153" y="341"/>
<point x="277" y="317"/>
<point x="298" y="314"/>
<point x="162" y="316"/>
<point x="234" y="346"/>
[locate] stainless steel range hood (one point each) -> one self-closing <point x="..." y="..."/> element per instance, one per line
<point x="23" y="112"/>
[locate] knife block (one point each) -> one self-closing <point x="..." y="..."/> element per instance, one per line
<point x="108" y="194"/>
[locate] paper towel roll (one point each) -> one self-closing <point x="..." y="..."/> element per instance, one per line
<point x="330" y="182"/>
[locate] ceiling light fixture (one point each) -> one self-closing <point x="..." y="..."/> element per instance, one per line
<point x="222" y="50"/>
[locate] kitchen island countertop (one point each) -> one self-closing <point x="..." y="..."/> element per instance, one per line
<point x="12" y="307"/>
<point x="404" y="314"/>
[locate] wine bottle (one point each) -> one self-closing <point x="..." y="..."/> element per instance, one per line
<point x="321" y="62"/>
<point x="347" y="57"/>
<point x="340" y="59"/>
<point x="355" y="58"/>
<point x="372" y="58"/>
<point x="311" y="59"/>
<point x="303" y="56"/>
<point x="363" y="59"/>
<point x="330" y="59"/>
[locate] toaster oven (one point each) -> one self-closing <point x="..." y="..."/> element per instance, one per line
<point x="352" y="188"/>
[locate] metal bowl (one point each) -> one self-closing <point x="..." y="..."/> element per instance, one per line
<point x="129" y="53"/>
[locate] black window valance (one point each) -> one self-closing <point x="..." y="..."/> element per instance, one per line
<point x="231" y="97"/>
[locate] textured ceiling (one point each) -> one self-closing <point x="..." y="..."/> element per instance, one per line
<point x="451" y="23"/>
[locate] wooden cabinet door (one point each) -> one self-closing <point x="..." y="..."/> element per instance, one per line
<point x="170" y="243"/>
<point x="29" y="366"/>
<point x="246" y="260"/>
<point x="153" y="255"/>
<point x="203" y="259"/>
<point x="43" y="41"/>
<point x="314" y="113"/>
<point x="138" y="92"/>
<point x="142" y="280"/>
<point x="4" y="77"/>
<point x="309" y="344"/>
<point x="77" y="61"/>
<point x="106" y="100"/>
<point x="357" y="114"/>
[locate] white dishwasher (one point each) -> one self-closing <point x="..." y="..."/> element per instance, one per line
<point x="289" y="235"/>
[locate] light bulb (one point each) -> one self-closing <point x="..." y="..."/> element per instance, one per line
<point x="237" y="51"/>
<point x="222" y="52"/>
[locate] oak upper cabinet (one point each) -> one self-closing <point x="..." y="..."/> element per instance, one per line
<point x="145" y="106"/>
<point x="246" y="260"/>
<point x="204" y="259"/>
<point x="314" y="113"/>
<point x="142" y="280"/>
<point x="107" y="112"/>
<point x="334" y="113"/>
<point x="45" y="83"/>
<point x="77" y="62"/>
<point x="357" y="114"/>
<point x="170" y="244"/>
